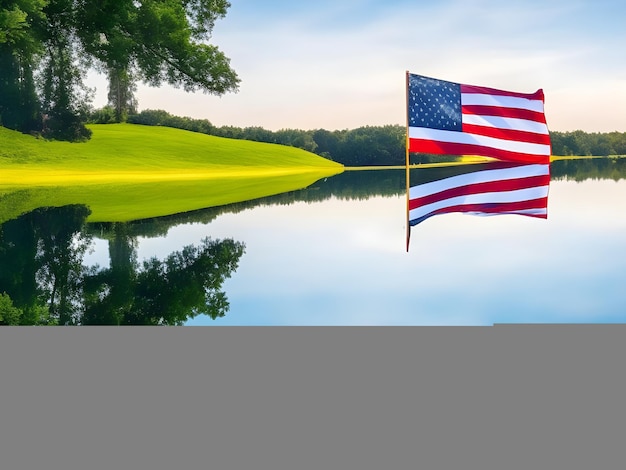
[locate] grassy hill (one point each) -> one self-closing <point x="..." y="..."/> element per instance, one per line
<point x="128" y="172"/>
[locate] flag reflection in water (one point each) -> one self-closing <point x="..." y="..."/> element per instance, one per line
<point x="481" y="189"/>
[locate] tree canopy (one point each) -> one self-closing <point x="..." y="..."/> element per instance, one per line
<point x="54" y="42"/>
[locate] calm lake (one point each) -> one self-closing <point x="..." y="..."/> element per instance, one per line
<point x="335" y="254"/>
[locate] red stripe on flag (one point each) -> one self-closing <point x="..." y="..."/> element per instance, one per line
<point x="507" y="134"/>
<point x="517" y="113"/>
<point x="478" y="188"/>
<point x="538" y="95"/>
<point x="452" y="148"/>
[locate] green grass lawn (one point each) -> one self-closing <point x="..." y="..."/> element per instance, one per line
<point x="129" y="172"/>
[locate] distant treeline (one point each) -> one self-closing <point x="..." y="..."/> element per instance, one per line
<point x="363" y="146"/>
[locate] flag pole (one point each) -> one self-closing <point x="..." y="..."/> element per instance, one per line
<point x="406" y="110"/>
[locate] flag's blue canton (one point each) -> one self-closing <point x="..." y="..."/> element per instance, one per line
<point x="435" y="104"/>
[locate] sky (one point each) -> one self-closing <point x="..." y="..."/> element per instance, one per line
<point x="340" y="64"/>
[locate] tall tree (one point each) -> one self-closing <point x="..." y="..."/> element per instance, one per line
<point x="122" y="93"/>
<point x="21" y="22"/>
<point x="157" y="41"/>
<point x="106" y="33"/>
<point x="65" y="99"/>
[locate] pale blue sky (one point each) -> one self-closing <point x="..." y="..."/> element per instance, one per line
<point x="340" y="64"/>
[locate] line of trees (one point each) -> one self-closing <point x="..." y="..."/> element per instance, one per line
<point x="363" y="146"/>
<point x="588" y="143"/>
<point x="46" y="47"/>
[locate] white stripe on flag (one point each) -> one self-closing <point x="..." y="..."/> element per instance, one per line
<point x="501" y="101"/>
<point x="506" y="123"/>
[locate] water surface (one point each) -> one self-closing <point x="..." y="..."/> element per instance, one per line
<point x="334" y="254"/>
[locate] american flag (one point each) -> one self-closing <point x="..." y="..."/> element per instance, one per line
<point x="482" y="189"/>
<point x="447" y="118"/>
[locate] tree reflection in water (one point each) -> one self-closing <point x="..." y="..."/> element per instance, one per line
<point x="43" y="279"/>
